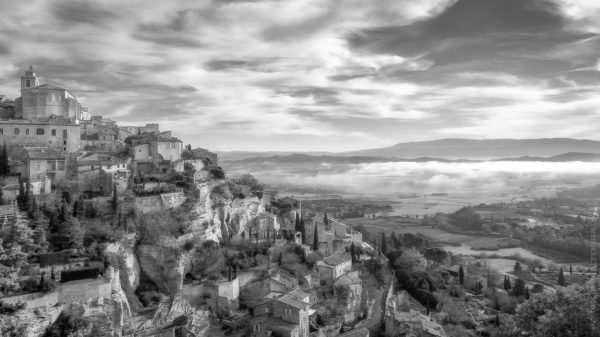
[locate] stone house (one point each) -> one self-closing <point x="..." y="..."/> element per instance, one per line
<point x="333" y="267"/>
<point x="41" y="162"/>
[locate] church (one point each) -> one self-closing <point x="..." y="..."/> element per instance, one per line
<point x="44" y="116"/>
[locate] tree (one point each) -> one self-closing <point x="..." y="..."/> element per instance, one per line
<point x="302" y="230"/>
<point x="519" y="288"/>
<point x="280" y="259"/>
<point x="69" y="235"/>
<point x="352" y="253"/>
<point x="316" y="238"/>
<point x="527" y="294"/>
<point x="497" y="321"/>
<point x="115" y="198"/>
<point x="383" y="243"/>
<point x="325" y="219"/>
<point x="461" y="275"/>
<point x="435" y="254"/>
<point x="507" y="285"/>
<point x="4" y="167"/>
<point x="571" y="269"/>
<point x="561" y="278"/>
<point x="297" y="223"/>
<point x="564" y="313"/>
<point x="466" y="218"/>
<point x="517" y="267"/>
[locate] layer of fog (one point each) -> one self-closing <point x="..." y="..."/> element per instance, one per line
<point x="427" y="177"/>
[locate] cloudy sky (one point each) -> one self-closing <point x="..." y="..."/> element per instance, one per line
<point x="325" y="75"/>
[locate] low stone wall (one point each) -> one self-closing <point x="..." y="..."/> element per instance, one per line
<point x="33" y="300"/>
<point x="148" y="204"/>
<point x="160" y="202"/>
<point x="66" y="292"/>
<point x="172" y="200"/>
<point x="247" y="277"/>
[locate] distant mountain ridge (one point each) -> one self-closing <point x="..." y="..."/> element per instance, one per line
<point x="303" y="159"/>
<point x="457" y="148"/>
<point x="542" y="149"/>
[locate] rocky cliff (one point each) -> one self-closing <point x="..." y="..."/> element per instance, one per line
<point x="223" y="210"/>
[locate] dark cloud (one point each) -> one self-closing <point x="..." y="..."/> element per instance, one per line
<point x="488" y="32"/>
<point x="4" y="49"/>
<point x="82" y="12"/>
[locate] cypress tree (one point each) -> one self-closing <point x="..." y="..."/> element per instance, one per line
<point x="325" y="219"/>
<point x="497" y="320"/>
<point x="297" y="223"/>
<point x="280" y="259"/>
<point x="561" y="278"/>
<point x="394" y="240"/>
<point x="316" y="239"/>
<point x="303" y="230"/>
<point x="517" y="267"/>
<point x="461" y="275"/>
<point x="383" y="243"/>
<point x="352" y="253"/>
<point x="571" y="269"/>
<point x="115" y="199"/>
<point x="507" y="285"/>
<point x="527" y="294"/>
<point x="4" y="167"/>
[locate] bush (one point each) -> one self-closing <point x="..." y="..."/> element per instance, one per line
<point x="217" y="172"/>
<point x="80" y="274"/>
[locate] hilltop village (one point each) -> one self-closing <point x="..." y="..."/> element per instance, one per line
<point x="110" y="230"/>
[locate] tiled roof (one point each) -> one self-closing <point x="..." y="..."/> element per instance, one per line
<point x="336" y="259"/>
<point x="356" y="333"/>
<point x="292" y="301"/>
<point x="45" y="153"/>
<point x="277" y="324"/>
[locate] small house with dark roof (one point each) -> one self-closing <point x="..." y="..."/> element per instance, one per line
<point x="333" y="267"/>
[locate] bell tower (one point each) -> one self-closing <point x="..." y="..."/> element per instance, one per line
<point x="30" y="80"/>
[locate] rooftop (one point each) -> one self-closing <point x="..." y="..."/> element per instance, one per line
<point x="45" y="153"/>
<point x="337" y="259"/>
<point x="292" y="301"/>
<point x="277" y="324"/>
<point x="356" y="333"/>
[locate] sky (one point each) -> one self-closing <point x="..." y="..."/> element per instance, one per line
<point x="317" y="75"/>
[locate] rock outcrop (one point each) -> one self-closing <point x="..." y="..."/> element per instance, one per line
<point x="123" y="256"/>
<point x="223" y="211"/>
<point x="165" y="266"/>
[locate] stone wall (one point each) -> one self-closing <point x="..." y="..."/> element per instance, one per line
<point x="28" y="134"/>
<point x="160" y="202"/>
<point x="65" y="292"/>
<point x="172" y="200"/>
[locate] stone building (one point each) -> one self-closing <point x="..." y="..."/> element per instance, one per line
<point x="283" y="316"/>
<point x="43" y="101"/>
<point x="44" y="115"/>
<point x="333" y="267"/>
<point x="57" y="133"/>
<point x="41" y="162"/>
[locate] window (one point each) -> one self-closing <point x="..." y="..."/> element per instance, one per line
<point x="288" y="311"/>
<point x="61" y="165"/>
<point x="1" y="131"/>
<point x="16" y="131"/>
<point x="39" y="132"/>
<point x="54" y="132"/>
<point x="256" y="327"/>
<point x="51" y="165"/>
<point x="28" y="84"/>
<point x="27" y="132"/>
<point x="65" y="134"/>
